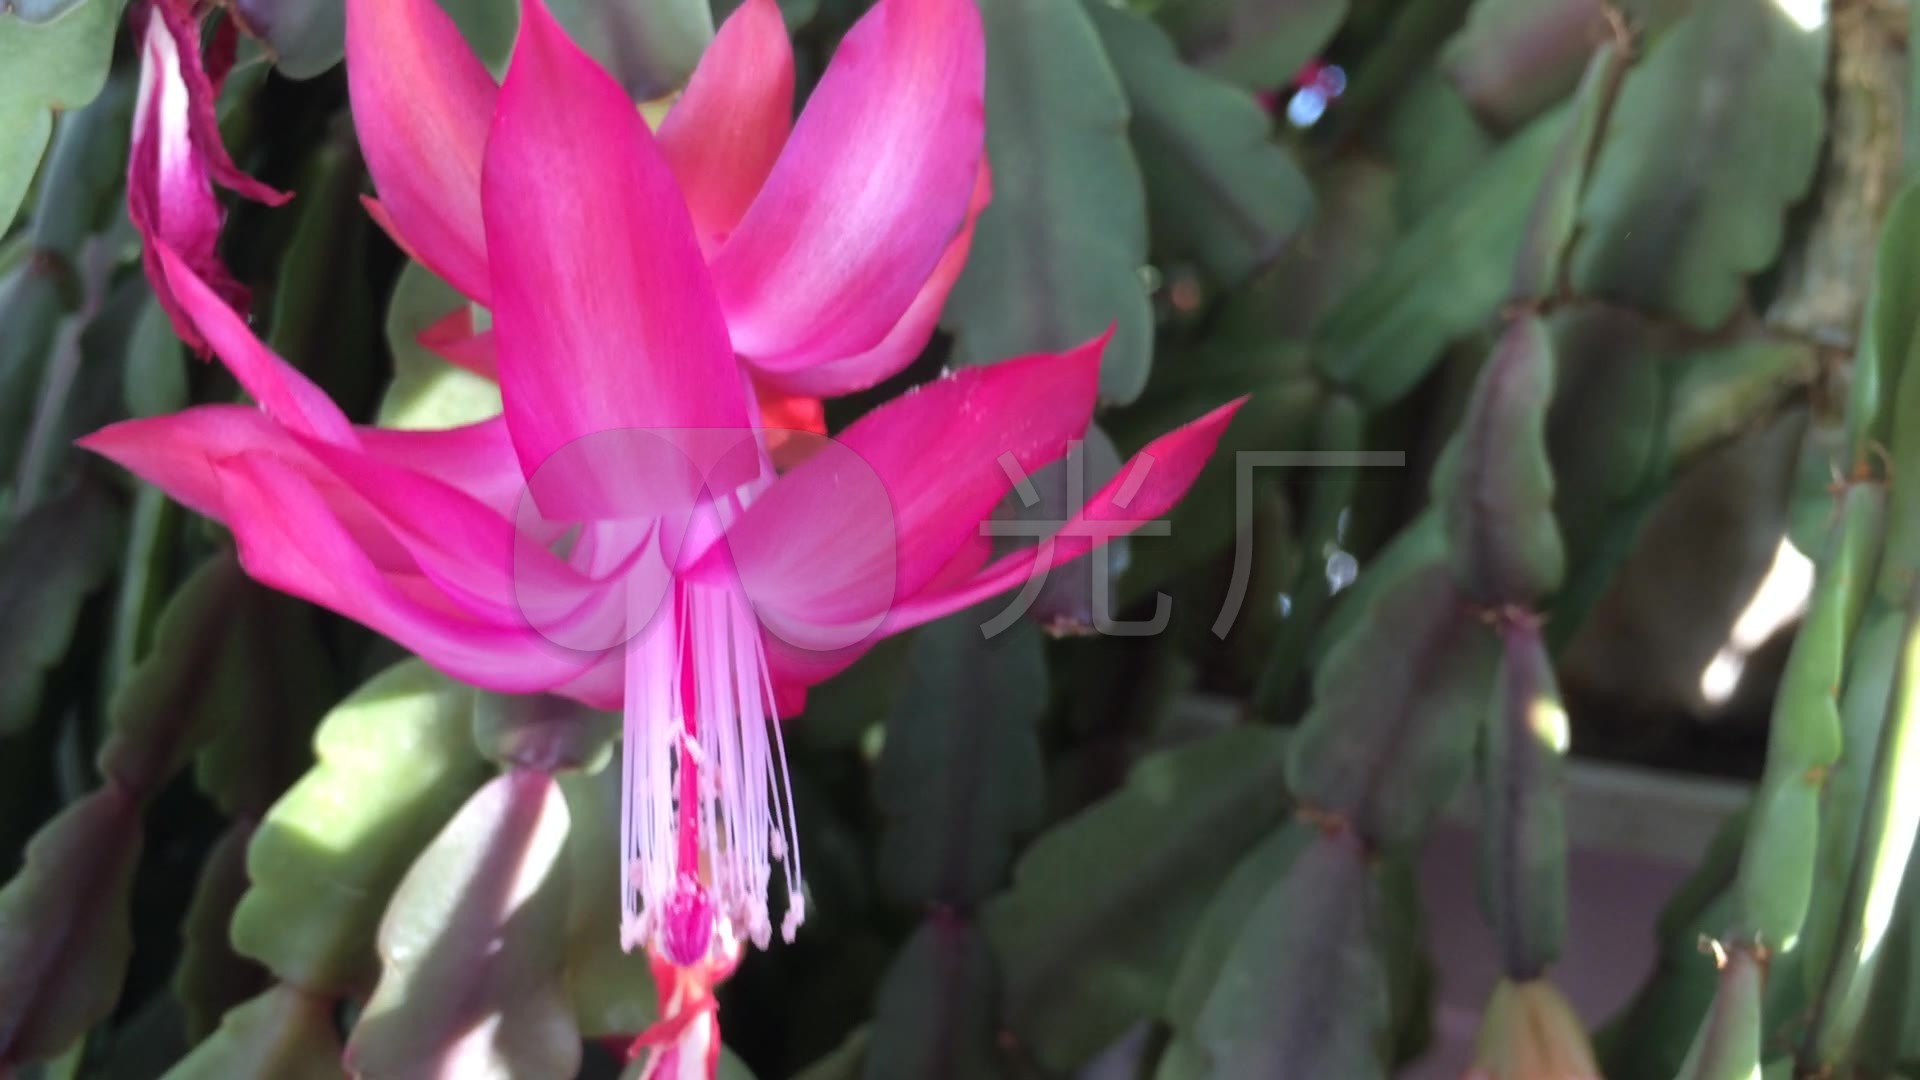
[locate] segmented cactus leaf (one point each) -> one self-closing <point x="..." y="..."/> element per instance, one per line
<point x="1304" y="991"/>
<point x="1728" y="1046"/>
<point x="1102" y="905"/>
<point x="1443" y="279"/>
<point x="1715" y="133"/>
<point x="1777" y="870"/>
<point x="1210" y="946"/>
<point x="470" y="946"/>
<point x="960" y="776"/>
<point x="1219" y="189"/>
<point x="1556" y="207"/>
<point x="1893" y="313"/>
<point x="1523" y="834"/>
<point x="56" y="64"/>
<point x="306" y="37"/>
<point x="1254" y="42"/>
<point x="283" y="1033"/>
<point x="1396" y="709"/>
<point x="1515" y="58"/>
<point x="65" y="935"/>
<point x="1056" y="256"/>
<point x="211" y="978"/>
<point x="936" y="1013"/>
<point x="51" y="560"/>
<point x="396" y="760"/>
<point x="1494" y="483"/>
<point x="651" y="46"/>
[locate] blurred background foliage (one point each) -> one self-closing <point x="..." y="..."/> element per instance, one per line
<point x="1605" y="275"/>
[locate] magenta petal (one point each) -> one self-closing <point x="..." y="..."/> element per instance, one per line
<point x="286" y="395"/>
<point x="421" y="106"/>
<point x="725" y="132"/>
<point x="604" y="318"/>
<point x="291" y="540"/>
<point x="1147" y="487"/>
<point x="909" y="336"/>
<point x="868" y="193"/>
<point x="452" y="338"/>
<point x="879" y="512"/>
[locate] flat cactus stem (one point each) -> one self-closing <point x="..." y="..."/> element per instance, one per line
<point x="1777" y="866"/>
<point x="1538" y="268"/>
<point x="1523" y="841"/>
<point x="1892" y="816"/>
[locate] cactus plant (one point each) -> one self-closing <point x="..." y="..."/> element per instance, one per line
<point x="1477" y="303"/>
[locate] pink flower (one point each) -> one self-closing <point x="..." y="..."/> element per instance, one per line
<point x="832" y="242"/>
<point x="177" y="155"/>
<point x="622" y="533"/>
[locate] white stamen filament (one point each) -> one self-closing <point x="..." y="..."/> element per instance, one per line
<point x="704" y="644"/>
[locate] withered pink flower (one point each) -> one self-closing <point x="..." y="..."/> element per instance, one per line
<point x="177" y="156"/>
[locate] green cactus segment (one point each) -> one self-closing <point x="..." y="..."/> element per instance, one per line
<point x="1303" y="991"/>
<point x="1778" y="869"/>
<point x="1251" y="41"/>
<point x="1341" y="427"/>
<point x="1210" y="947"/>
<point x="612" y="989"/>
<point x="472" y="941"/>
<point x="1715" y="133"/>
<point x="283" y="1033"/>
<point x="1494" y="483"/>
<point x="539" y="731"/>
<point x="395" y="760"/>
<point x="1872" y="658"/>
<point x="56" y="65"/>
<point x="1556" y="208"/>
<point x="1056" y="256"/>
<point x="1443" y="279"/>
<point x="199" y="669"/>
<point x="1102" y="906"/>
<point x="1396" y="707"/>
<point x="65" y="936"/>
<point x="1514" y="58"/>
<point x="936" y="1014"/>
<point x="211" y="977"/>
<point x="1523" y="839"/>
<point x="1728" y="1045"/>
<point x="53" y="558"/>
<point x="1219" y="189"/>
<point x="960" y="776"/>
<point x="1889" y="820"/>
<point x="1893" y="312"/>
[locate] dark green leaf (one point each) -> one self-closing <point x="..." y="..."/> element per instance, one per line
<point x="1441" y="280"/>
<point x="960" y="776"/>
<point x="64" y="929"/>
<point x="1303" y="991"/>
<point x="306" y="37"/>
<point x="1514" y="58"/>
<point x="651" y="46"/>
<point x="936" y="1012"/>
<point x="1258" y="43"/>
<point x="1102" y="905"/>
<point x="50" y="562"/>
<point x="1714" y="134"/>
<point x="1523" y="828"/>
<point x="1219" y="189"/>
<point x="212" y="978"/>
<point x="1396" y="708"/>
<point x="612" y="990"/>
<point x="1057" y="256"/>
